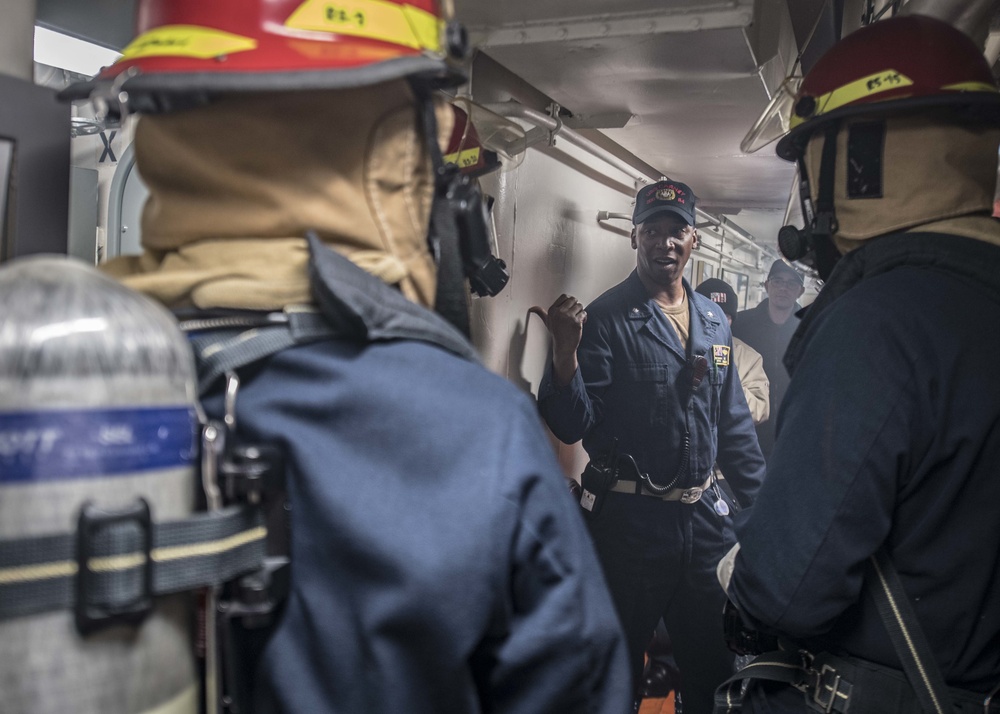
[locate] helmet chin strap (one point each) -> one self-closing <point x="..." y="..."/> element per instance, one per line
<point x="450" y="301"/>
<point x="459" y="235"/>
<point x="814" y="245"/>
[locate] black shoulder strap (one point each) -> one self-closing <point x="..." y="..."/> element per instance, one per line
<point x="900" y="621"/>
<point x="251" y="339"/>
<point x="450" y="300"/>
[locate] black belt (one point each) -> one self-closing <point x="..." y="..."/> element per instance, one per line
<point x="684" y="495"/>
<point x="844" y="685"/>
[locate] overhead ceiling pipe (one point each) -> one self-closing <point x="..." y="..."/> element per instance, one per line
<point x="515" y="110"/>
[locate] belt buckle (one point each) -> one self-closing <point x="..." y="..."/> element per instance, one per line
<point x="692" y="495"/>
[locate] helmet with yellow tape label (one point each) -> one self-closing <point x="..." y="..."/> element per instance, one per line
<point x="899" y="64"/>
<point x="188" y="50"/>
<point x="905" y="69"/>
<point x="465" y="149"/>
<point x="188" y="53"/>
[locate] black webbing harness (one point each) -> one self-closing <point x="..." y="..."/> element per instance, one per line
<point x="115" y="563"/>
<point x="112" y="567"/>
<point x="845" y="684"/>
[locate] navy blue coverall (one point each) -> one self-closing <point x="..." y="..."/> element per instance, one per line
<point x="889" y="434"/>
<point x="635" y="384"/>
<point x="438" y="564"/>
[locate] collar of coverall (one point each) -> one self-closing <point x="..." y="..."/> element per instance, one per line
<point x="234" y="187"/>
<point x="348" y="296"/>
<point x="933" y="169"/>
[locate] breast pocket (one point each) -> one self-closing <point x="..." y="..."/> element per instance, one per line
<point x="646" y="396"/>
<point x="646" y="372"/>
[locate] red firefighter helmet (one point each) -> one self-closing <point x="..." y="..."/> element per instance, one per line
<point x="466" y="150"/>
<point x="902" y="63"/>
<point x="191" y="47"/>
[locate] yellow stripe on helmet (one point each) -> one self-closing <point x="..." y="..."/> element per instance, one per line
<point x="187" y="41"/>
<point x="858" y="89"/>
<point x="972" y="87"/>
<point x="463" y="159"/>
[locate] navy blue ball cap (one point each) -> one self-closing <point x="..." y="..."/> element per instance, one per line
<point x="662" y="196"/>
<point x="721" y="292"/>
<point x="780" y="267"/>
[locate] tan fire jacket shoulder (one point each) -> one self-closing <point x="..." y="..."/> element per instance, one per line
<point x="750" y="367"/>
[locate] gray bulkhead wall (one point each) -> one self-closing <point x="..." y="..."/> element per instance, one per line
<point x="548" y="234"/>
<point x="545" y="213"/>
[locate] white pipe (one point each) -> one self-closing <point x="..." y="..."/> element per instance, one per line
<point x="724" y="258"/>
<point x="516" y="110"/>
<point x="608" y="215"/>
<point x="731" y="230"/>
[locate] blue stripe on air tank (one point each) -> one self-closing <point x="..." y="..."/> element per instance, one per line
<point x="68" y="444"/>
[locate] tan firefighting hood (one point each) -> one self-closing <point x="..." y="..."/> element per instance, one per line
<point x="234" y="187"/>
<point x="939" y="175"/>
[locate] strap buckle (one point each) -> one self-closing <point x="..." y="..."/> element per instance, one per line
<point x="97" y="606"/>
<point x="827" y="686"/>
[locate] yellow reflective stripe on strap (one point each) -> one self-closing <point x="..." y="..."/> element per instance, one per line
<point x="116" y="563"/>
<point x="972" y="87"/>
<point x="403" y="25"/>
<point x="186" y="41"/>
<point x="30" y="573"/>
<point x="463" y="159"/>
<point x="127" y="561"/>
<point x="858" y="89"/>
<point x="213" y="547"/>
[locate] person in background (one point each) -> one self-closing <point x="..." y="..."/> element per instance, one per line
<point x="768" y="328"/>
<point x="749" y="363"/>
<point x="660" y="675"/>
<point x="644" y="377"/>
<point x="885" y="466"/>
